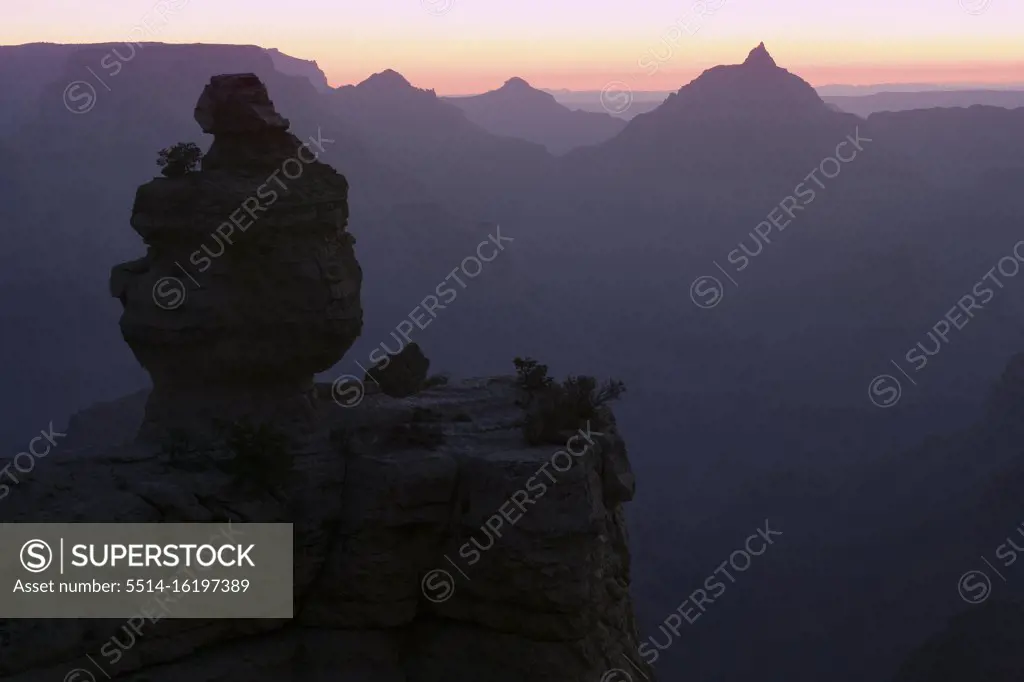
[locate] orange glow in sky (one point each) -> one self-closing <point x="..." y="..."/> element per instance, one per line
<point x="464" y="46"/>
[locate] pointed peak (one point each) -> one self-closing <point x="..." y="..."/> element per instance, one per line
<point x="759" y="57"/>
<point x="389" y="79"/>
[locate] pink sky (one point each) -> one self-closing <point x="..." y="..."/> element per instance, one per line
<point x="461" y="46"/>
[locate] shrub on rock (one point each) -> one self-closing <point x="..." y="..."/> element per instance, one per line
<point x="554" y="409"/>
<point x="179" y="160"/>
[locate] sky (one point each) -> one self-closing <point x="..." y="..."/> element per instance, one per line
<point x="468" y="46"/>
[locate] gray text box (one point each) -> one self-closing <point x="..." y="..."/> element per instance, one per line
<point x="122" y="570"/>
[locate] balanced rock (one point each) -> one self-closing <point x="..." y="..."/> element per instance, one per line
<point x="250" y="284"/>
<point x="237" y="104"/>
<point x="248" y="132"/>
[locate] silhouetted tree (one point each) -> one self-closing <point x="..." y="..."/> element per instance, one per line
<point x="554" y="408"/>
<point x="179" y="160"/>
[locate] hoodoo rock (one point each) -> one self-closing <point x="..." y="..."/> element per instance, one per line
<point x="415" y="555"/>
<point x="250" y="284"/>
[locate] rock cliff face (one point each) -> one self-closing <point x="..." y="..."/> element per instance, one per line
<point x="431" y="543"/>
<point x="250" y="284"/>
<point x="381" y="494"/>
<point x="293" y="66"/>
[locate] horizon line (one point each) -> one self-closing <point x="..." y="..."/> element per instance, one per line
<point x="961" y="84"/>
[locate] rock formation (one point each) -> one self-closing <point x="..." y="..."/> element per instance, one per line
<point x="250" y="284"/>
<point x="547" y="601"/>
<point x="293" y="66"/>
<point x="396" y="576"/>
<point x="402" y="374"/>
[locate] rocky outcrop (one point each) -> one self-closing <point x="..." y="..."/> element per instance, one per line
<point x="379" y="522"/>
<point x="402" y="374"/>
<point x="431" y="544"/>
<point x="293" y="66"/>
<point x="250" y="283"/>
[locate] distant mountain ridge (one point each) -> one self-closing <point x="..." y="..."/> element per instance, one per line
<point x="865" y="105"/>
<point x="757" y="88"/>
<point x="851" y="99"/>
<point x="518" y="110"/>
<point x="753" y="107"/>
<point x="415" y="130"/>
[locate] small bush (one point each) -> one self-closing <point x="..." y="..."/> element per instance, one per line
<point x="553" y="409"/>
<point x="179" y="160"/>
<point x="532" y="376"/>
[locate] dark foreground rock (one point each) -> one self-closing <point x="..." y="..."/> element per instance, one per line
<point x="396" y="576"/>
<point x="377" y="517"/>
